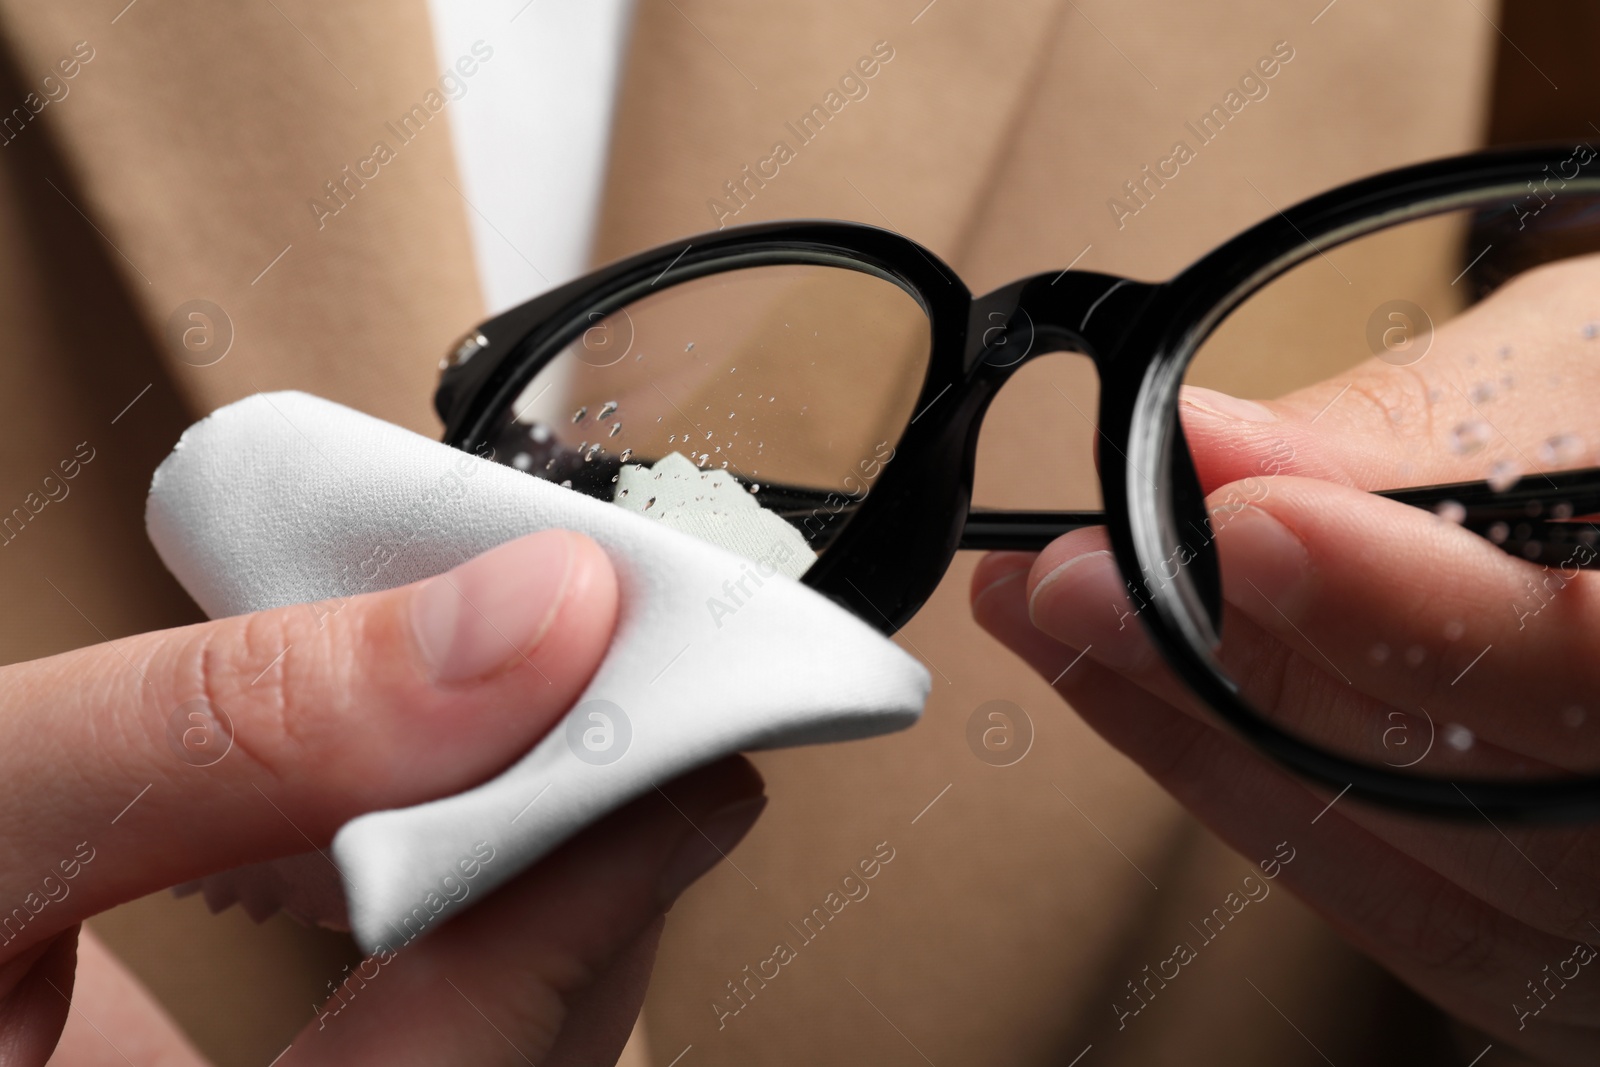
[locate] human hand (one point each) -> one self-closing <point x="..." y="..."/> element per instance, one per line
<point x="1318" y="576"/>
<point x="394" y="698"/>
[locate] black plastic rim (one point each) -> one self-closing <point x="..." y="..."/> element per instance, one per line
<point x="888" y="559"/>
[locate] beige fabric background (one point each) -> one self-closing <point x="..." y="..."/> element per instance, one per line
<point x="180" y="166"/>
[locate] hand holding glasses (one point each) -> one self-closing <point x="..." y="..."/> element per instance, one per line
<point x="1379" y="578"/>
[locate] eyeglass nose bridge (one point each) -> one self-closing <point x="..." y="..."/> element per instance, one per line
<point x="1092" y="314"/>
<point x="1068" y="311"/>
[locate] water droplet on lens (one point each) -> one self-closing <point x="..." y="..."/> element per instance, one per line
<point x="1591" y="331"/>
<point x="627" y="454"/>
<point x="1573" y="716"/>
<point x="1505" y="351"/>
<point x="1458" y="737"/>
<point x="1561" y="511"/>
<point x="1503" y="475"/>
<point x="566" y="483"/>
<point x="1415" y="655"/>
<point x="1468" y="437"/>
<point x="689" y="347"/>
<point x="648" y="504"/>
<point x="607" y="409"/>
<point x="1451" y="511"/>
<point x="1563" y="448"/>
<point x="616" y="429"/>
<point x="621" y="493"/>
<point x="522" y="461"/>
<point x="1482" y="393"/>
<point x="1378" y="653"/>
<point x="1454" y="629"/>
<point x="1499" y="532"/>
<point x="755" y="487"/>
<point x="577" y="416"/>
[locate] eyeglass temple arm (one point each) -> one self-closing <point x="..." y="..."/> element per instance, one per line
<point x="1022" y="531"/>
<point x="1539" y="519"/>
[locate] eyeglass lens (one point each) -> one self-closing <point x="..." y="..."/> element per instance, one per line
<point x="754" y="408"/>
<point x="1461" y="348"/>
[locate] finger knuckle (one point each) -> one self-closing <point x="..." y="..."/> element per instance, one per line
<point x="1403" y="398"/>
<point x="1260" y="664"/>
<point x="217" y="660"/>
<point x="269" y="677"/>
<point x="1572" y="862"/>
<point x="1445" y="929"/>
<point x="1187" y="750"/>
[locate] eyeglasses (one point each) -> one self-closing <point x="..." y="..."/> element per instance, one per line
<point x="836" y="376"/>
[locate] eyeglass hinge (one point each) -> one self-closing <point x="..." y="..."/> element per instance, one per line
<point x="464" y="349"/>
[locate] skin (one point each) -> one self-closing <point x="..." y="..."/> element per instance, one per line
<point x="1463" y="914"/>
<point x="550" y="969"/>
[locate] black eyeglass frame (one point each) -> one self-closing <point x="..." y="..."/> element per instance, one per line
<point x="888" y="558"/>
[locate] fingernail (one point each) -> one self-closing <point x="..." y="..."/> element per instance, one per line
<point x="1262" y="560"/>
<point x="492" y="610"/>
<point x="1083" y="603"/>
<point x="999" y="569"/>
<point x="705" y="845"/>
<point x="1221" y="405"/>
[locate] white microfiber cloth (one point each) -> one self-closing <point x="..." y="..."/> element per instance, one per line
<point x="286" y="498"/>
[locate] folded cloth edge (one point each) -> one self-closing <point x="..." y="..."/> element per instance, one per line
<point x="268" y="440"/>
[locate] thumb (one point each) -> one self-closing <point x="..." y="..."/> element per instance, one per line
<point x="159" y="758"/>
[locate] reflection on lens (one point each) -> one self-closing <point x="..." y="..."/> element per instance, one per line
<point x="1437" y="631"/>
<point x="754" y="408"/>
